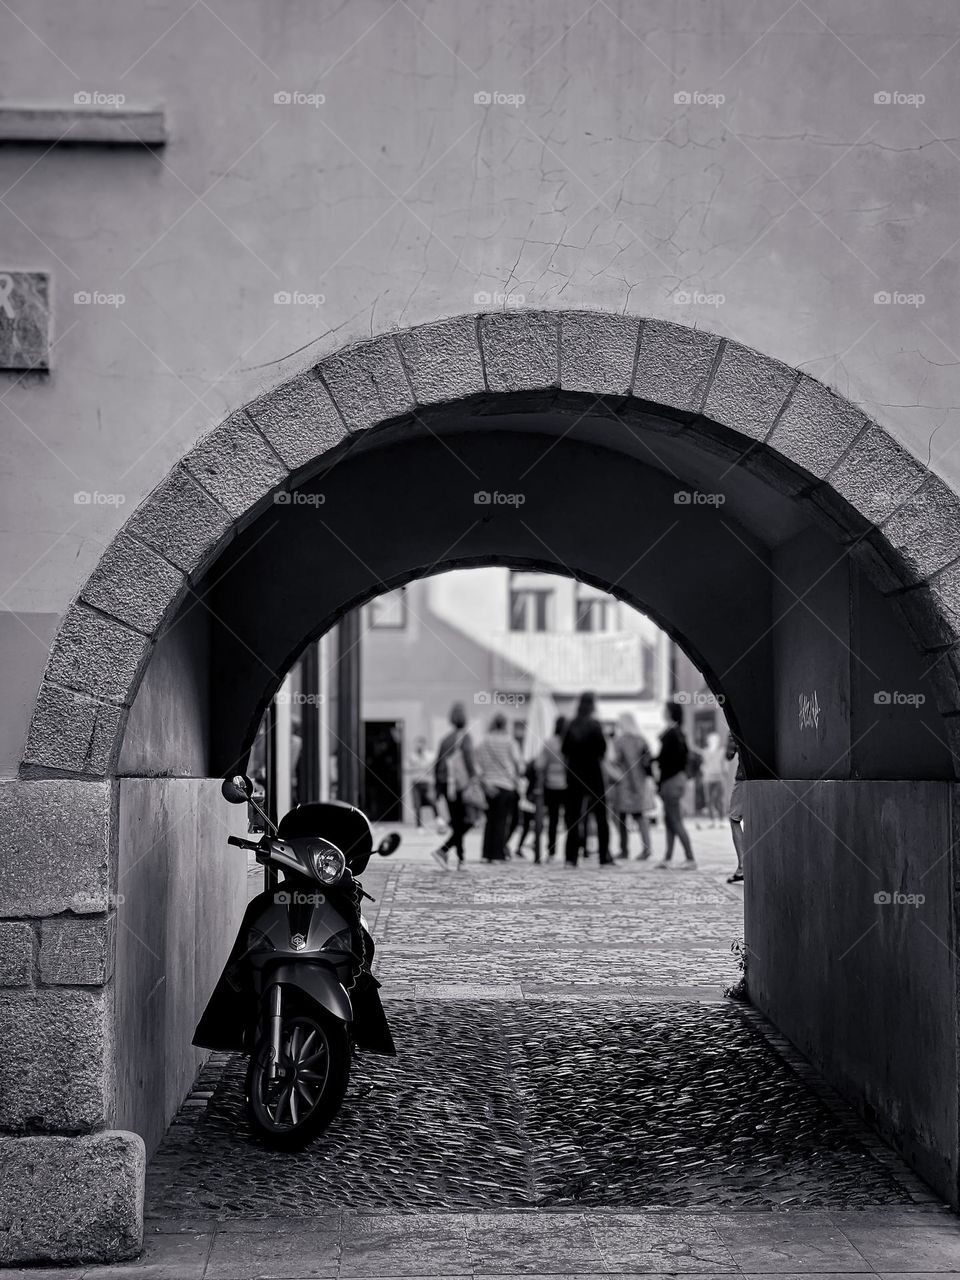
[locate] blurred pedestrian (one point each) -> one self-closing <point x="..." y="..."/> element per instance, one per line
<point x="632" y="766"/>
<point x="527" y="812"/>
<point x="735" y="811"/>
<point x="453" y="772"/>
<point x="420" y="767"/>
<point x="584" y="749"/>
<point x="500" y="768"/>
<point x="553" y="775"/>
<point x="714" y="755"/>
<point x="672" y="769"/>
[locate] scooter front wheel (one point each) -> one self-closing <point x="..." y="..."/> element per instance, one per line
<point x="290" y="1109"/>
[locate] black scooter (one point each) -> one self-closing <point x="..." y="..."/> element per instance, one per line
<point x="297" y="993"/>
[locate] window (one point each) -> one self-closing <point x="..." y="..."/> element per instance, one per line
<point x="596" y="615"/>
<point x="389" y="611"/>
<point x="530" y="609"/>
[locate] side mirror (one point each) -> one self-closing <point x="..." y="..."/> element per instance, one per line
<point x="388" y="844"/>
<point x="237" y="789"/>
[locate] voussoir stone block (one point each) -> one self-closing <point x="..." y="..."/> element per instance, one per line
<point x="77" y="952"/>
<point x="96" y="655"/>
<point x="368" y="383"/>
<point x="876" y="474"/>
<point x="443" y="360"/>
<point x="72" y="732"/>
<point x="597" y="352"/>
<point x="521" y="350"/>
<point x="674" y="364"/>
<point x="816" y="427"/>
<point x="299" y="419"/>
<point x="54" y="846"/>
<point x="16" y="953"/>
<point x="925" y="617"/>
<point x="56" y="1066"/>
<point x="235" y="464"/>
<point x="748" y="390"/>
<point x="924" y="531"/>
<point x="132" y="583"/>
<point x="181" y="521"/>
<point x="77" y="1199"/>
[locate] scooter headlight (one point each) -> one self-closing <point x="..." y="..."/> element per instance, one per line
<point x="328" y="863"/>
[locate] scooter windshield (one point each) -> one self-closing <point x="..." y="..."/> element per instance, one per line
<point x="332" y="820"/>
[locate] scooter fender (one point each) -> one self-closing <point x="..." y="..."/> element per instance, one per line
<point x="316" y="980"/>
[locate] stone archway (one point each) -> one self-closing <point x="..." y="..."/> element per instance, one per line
<point x="902" y="523"/>
<point x="895" y="520"/>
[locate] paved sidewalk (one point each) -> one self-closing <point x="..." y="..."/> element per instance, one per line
<point x="574" y="1097"/>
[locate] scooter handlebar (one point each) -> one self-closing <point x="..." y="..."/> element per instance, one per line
<point x="243" y="844"/>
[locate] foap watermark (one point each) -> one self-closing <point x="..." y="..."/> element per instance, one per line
<point x="296" y="298"/>
<point x="482" y="298"/>
<point x="495" y="98"/>
<point x="87" y="903"/>
<point x="698" y="98"/>
<point x="696" y="298"/>
<point x="486" y="498"/>
<point x="96" y="98"/>
<point x="897" y="98"/>
<point x="699" y="698"/>
<point x="496" y="698"/>
<point x="297" y="499"/>
<point x="296" y="98"/>
<point x="293" y="698"/>
<point x="694" y="498"/>
<point x="893" y="298"/>
<point x="94" y="298"/>
<point x="897" y="698"/>
<point x="505" y="899"/>
<point x="894" y="898"/>
<point x="297" y="898"/>
<point x="85" y="498"/>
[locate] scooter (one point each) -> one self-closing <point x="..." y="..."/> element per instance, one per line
<point x="297" y="993"/>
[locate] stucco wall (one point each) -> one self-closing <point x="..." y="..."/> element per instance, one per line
<point x="821" y="945"/>
<point x="401" y="199"/>
<point x="182" y="891"/>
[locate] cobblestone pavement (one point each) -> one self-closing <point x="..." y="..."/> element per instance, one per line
<point x="573" y="1096"/>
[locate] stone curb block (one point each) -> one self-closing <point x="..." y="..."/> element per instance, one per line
<point x="16" y="954"/>
<point x="816" y="427"/>
<point x="597" y="352"/>
<point x="73" y="732"/>
<point x="54" y="846"/>
<point x="876" y="474"/>
<point x="924" y="532"/>
<point x="674" y="365"/>
<point x="56" y="1070"/>
<point x="299" y="419"/>
<point x="368" y="383"/>
<point x="96" y="655"/>
<point x="181" y="521"/>
<point x="443" y="360"/>
<point x="236" y="465"/>
<point x="71" y="1199"/>
<point x="132" y="583"/>
<point x="77" y="953"/>
<point x="748" y="391"/>
<point x="521" y="350"/>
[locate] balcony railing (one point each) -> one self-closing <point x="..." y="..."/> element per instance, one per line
<point x="568" y="662"/>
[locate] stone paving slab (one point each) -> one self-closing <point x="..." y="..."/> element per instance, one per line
<point x="581" y="1244"/>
